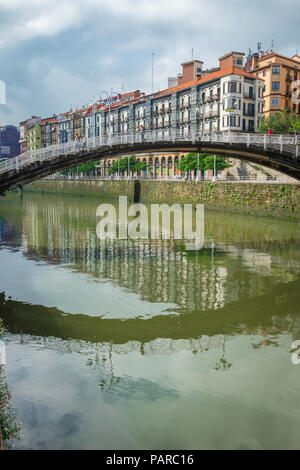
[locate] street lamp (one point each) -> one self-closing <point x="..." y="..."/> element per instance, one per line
<point x="214" y="176"/>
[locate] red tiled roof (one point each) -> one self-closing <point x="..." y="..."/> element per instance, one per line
<point x="206" y="78"/>
<point x="273" y="54"/>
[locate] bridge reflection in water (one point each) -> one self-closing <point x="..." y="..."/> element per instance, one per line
<point x="243" y="286"/>
<point x="62" y="232"/>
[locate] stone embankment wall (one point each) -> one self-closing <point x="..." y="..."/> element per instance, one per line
<point x="266" y="199"/>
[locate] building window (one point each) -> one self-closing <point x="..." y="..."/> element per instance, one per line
<point x="251" y="125"/>
<point x="276" y="70"/>
<point x="232" y="88"/>
<point x="232" y="121"/>
<point x="275" y="86"/>
<point x="275" y="102"/>
<point x="265" y="73"/>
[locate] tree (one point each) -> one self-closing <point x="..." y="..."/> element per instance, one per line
<point x="206" y="162"/>
<point x="190" y="162"/>
<point x="280" y="123"/>
<point x="83" y="168"/>
<point x="221" y="163"/>
<point x="295" y="125"/>
<point x="140" y="166"/>
<point x="122" y="165"/>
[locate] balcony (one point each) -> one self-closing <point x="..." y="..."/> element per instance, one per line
<point x="185" y="105"/>
<point x="249" y="113"/>
<point x="249" y="96"/>
<point x="185" y="120"/>
<point x="212" y="114"/>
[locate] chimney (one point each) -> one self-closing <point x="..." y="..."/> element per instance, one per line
<point x="232" y="59"/>
<point x="190" y="70"/>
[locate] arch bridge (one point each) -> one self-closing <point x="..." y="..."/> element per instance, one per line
<point x="279" y="152"/>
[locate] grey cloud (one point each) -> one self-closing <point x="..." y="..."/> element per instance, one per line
<point x="63" y="54"/>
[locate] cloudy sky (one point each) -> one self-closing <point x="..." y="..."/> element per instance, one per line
<point x="61" y="54"/>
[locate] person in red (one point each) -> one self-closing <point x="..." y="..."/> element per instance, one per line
<point x="270" y="132"/>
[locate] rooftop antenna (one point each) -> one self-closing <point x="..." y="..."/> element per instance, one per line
<point x="259" y="46"/>
<point x="192" y="53"/>
<point x="272" y="45"/>
<point x="123" y="88"/>
<point x="153" y="54"/>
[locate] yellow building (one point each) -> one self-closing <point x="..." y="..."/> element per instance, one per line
<point x="280" y="74"/>
<point x="34" y="137"/>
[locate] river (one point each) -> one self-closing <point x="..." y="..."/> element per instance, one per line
<point x="142" y="345"/>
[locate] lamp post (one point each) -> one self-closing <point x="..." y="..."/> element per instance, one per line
<point x="215" y="176"/>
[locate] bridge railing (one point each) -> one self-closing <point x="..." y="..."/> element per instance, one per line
<point x="287" y="143"/>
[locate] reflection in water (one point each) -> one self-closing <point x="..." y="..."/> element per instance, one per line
<point x="145" y="332"/>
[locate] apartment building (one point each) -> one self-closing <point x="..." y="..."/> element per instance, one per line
<point x="34" y="136"/>
<point x="280" y="75"/>
<point x="95" y="116"/>
<point x="65" y="127"/>
<point x="49" y="131"/>
<point x="223" y="99"/>
<point x="9" y="142"/>
<point x="227" y="99"/>
<point x="24" y="125"/>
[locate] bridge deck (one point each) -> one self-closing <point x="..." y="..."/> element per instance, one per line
<point x="280" y="152"/>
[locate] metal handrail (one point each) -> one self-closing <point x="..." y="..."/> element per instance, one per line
<point x="287" y="143"/>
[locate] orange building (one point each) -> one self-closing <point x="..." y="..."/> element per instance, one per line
<point x="280" y="75"/>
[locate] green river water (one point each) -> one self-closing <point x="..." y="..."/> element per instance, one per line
<point x="142" y="345"/>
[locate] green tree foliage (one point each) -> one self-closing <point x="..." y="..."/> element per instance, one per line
<point x="206" y="162"/>
<point x="190" y="162"/>
<point x="280" y="123"/>
<point x="84" y="168"/>
<point x="295" y="125"/>
<point x="221" y="163"/>
<point x="122" y="164"/>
